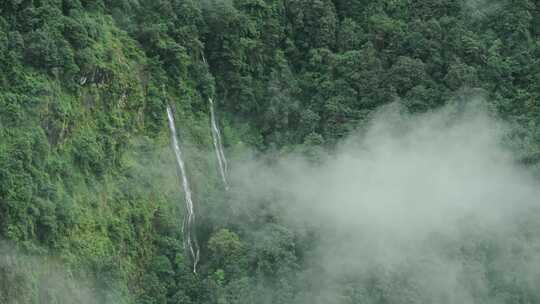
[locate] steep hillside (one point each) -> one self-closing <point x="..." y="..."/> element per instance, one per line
<point x="91" y="206"/>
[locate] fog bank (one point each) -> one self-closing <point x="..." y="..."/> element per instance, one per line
<point x="433" y="202"/>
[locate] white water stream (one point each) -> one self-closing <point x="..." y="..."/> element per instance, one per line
<point x="190" y="240"/>
<point x="218" y="146"/>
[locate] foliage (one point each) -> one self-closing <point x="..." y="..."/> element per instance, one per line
<point x="84" y="154"/>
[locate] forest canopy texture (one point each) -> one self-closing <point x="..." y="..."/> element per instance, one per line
<point x="380" y="151"/>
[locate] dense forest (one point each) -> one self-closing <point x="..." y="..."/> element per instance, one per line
<point x="91" y="205"/>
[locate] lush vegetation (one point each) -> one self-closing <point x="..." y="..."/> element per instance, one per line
<point x="85" y="179"/>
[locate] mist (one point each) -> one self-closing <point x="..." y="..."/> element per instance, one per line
<point x="412" y="208"/>
<point x="26" y="278"/>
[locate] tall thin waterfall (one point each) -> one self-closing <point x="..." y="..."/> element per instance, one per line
<point x="218" y="146"/>
<point x="190" y="239"/>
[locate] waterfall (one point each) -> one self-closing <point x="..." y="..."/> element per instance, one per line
<point x="190" y="240"/>
<point x="218" y="146"/>
<point x="216" y="136"/>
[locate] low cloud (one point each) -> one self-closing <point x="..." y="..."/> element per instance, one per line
<point x="431" y="207"/>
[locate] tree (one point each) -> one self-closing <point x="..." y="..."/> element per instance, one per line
<point x="228" y="255"/>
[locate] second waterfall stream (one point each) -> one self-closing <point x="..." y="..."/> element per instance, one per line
<point x="218" y="145"/>
<point x="190" y="239"/>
